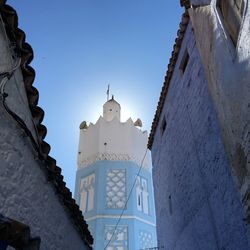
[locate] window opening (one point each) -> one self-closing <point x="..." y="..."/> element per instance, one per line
<point x="163" y="125"/>
<point x="184" y="61"/>
<point x="142" y="195"/>
<point x="87" y="192"/>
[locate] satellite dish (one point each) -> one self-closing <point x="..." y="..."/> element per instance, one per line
<point x="83" y="125"/>
<point x="138" y="123"/>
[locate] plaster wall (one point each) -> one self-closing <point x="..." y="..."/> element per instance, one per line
<point x="25" y="193"/>
<point x="102" y="215"/>
<point x="17" y="99"/>
<point x="5" y="65"/>
<point x="113" y="140"/>
<point x="227" y="69"/>
<point x="111" y="109"/>
<point x="197" y="204"/>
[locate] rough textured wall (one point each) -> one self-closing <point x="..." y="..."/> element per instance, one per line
<point x="26" y="194"/>
<point x="228" y="71"/>
<point x="197" y="204"/>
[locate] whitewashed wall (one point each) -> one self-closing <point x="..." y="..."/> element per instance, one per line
<point x="227" y="69"/>
<point x="26" y="194"/>
<point x="113" y="140"/>
<point x="197" y="203"/>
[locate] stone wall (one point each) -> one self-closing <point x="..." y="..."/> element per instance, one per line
<point x="197" y="204"/>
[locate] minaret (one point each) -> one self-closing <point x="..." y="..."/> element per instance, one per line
<point x="113" y="160"/>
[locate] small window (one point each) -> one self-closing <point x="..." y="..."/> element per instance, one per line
<point x="170" y="204"/>
<point x="232" y="13"/>
<point x="163" y="125"/>
<point x="184" y="61"/>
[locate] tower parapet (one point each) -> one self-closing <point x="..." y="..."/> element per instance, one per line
<point x="111" y="139"/>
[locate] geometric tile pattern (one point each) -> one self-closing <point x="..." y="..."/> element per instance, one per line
<point x="116" y="188"/>
<point x="146" y="240"/>
<point x="117" y="240"/>
<point x="112" y="157"/>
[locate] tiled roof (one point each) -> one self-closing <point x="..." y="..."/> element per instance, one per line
<point x="24" y="50"/>
<point x="170" y="70"/>
<point x="185" y="3"/>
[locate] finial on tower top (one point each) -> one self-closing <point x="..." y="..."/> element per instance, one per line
<point x="108" y="93"/>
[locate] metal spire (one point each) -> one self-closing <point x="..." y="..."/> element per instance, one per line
<point x="108" y="93"/>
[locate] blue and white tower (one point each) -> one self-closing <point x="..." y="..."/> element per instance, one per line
<point x="110" y="156"/>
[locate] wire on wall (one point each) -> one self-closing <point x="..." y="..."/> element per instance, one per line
<point x="6" y="76"/>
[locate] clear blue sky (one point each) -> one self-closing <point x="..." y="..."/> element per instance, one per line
<point x="82" y="46"/>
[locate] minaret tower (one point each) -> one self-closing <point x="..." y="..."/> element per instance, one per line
<point x="114" y="178"/>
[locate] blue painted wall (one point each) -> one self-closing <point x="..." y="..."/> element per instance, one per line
<point x="197" y="204"/>
<point x="140" y="226"/>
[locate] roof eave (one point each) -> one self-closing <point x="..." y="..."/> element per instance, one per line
<point x="169" y="73"/>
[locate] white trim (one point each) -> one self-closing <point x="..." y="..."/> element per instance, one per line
<point x="117" y="217"/>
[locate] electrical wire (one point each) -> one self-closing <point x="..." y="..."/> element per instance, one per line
<point x="6" y="76"/>
<point x="130" y="193"/>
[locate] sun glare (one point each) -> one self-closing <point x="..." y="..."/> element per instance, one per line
<point x="126" y="113"/>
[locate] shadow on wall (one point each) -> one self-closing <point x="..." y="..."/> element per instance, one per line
<point x="227" y="66"/>
<point x="16" y="235"/>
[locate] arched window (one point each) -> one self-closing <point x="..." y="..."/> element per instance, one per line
<point x="87" y="193"/>
<point x="142" y="195"/>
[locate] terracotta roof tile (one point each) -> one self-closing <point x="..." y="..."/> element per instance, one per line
<point x="170" y="70"/>
<point x="185" y="3"/>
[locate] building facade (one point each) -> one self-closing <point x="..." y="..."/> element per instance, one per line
<point x="37" y="210"/>
<point x="225" y="56"/>
<point x="201" y="119"/>
<point x="114" y="182"/>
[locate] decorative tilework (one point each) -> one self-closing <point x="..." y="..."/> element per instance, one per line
<point x="146" y="240"/>
<point x="116" y="188"/>
<point x="112" y="157"/>
<point x="118" y="240"/>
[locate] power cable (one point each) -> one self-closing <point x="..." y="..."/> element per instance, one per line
<point x="6" y="76"/>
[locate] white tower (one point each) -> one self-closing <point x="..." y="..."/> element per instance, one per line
<point x="114" y="178"/>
